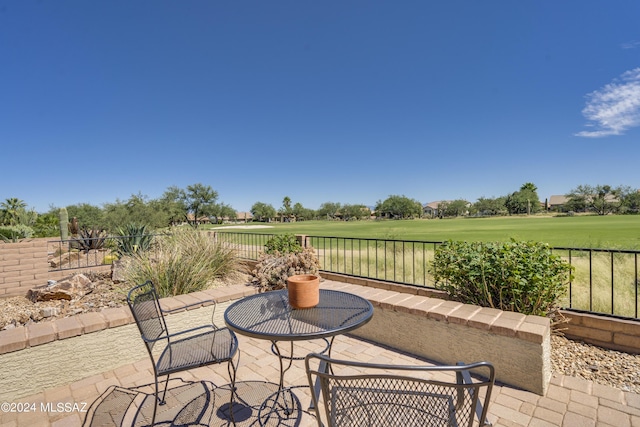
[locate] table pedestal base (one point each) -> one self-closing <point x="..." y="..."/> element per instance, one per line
<point x="279" y="407"/>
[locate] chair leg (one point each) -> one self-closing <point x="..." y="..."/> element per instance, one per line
<point x="155" y="403"/>
<point x="164" y="393"/>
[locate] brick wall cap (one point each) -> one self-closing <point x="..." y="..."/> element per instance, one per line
<point x="41" y="333"/>
<point x="441" y="311"/>
<point x="462" y="314"/>
<point x="117" y="316"/>
<point x="92" y="322"/>
<point x="532" y="332"/>
<point x="13" y="339"/>
<point x="484" y="318"/>
<point x="68" y="327"/>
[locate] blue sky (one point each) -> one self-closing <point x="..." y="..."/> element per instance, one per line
<point x="340" y="101"/>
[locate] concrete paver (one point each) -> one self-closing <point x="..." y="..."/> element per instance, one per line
<point x="569" y="401"/>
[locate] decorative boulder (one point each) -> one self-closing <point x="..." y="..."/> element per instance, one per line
<point x="69" y="288"/>
<point x="118" y="269"/>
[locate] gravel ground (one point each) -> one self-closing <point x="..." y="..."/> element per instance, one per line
<point x="608" y="367"/>
<point x="568" y="357"/>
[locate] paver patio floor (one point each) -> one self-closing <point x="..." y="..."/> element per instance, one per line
<point x="569" y="401"/>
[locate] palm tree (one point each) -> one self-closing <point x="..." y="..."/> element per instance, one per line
<point x="10" y="208"/>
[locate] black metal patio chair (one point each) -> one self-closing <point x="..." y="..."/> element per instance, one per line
<point x="362" y="394"/>
<point x="199" y="346"/>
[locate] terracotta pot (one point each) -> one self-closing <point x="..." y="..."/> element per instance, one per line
<point x="304" y="290"/>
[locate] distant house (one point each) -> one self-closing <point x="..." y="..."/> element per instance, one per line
<point x="436" y="209"/>
<point x="244" y="217"/>
<point x="558" y="203"/>
<point x="431" y="208"/>
<point x="201" y="220"/>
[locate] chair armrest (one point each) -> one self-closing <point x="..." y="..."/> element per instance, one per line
<point x="186" y="307"/>
<point x="189" y="331"/>
<point x="177" y="334"/>
<point x="203" y="303"/>
<point x="465" y="377"/>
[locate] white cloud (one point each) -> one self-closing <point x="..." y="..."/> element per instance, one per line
<point x="614" y="108"/>
<point x="631" y="45"/>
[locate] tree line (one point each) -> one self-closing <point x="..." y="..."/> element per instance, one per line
<point x="594" y="199"/>
<point x="198" y="202"/>
<point x="190" y="205"/>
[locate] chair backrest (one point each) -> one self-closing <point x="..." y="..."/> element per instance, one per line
<point x="360" y="394"/>
<point x="145" y="307"/>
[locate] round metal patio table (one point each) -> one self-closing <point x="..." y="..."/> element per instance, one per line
<point x="269" y="316"/>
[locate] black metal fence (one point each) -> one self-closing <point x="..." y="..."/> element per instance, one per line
<point x="605" y="280"/>
<point x="85" y="252"/>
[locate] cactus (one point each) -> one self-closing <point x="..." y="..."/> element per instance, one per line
<point x="63" y="221"/>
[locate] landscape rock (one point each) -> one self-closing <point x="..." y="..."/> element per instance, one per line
<point x="49" y="312"/>
<point x="69" y="288"/>
<point x="117" y="271"/>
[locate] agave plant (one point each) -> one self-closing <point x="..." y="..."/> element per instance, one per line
<point x="89" y="238"/>
<point x="134" y="239"/>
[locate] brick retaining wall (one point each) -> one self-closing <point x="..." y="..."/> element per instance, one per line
<point x="447" y="332"/>
<point x="607" y="332"/>
<point x="24" y="265"/>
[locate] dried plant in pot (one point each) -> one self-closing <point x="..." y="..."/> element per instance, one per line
<point x="280" y="262"/>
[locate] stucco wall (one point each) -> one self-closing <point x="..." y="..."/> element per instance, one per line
<point x="63" y="361"/>
<point x="518" y="362"/>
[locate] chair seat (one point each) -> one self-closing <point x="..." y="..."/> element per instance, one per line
<point x="214" y="346"/>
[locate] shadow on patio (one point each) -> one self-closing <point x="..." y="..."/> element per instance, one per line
<point x="569" y="401"/>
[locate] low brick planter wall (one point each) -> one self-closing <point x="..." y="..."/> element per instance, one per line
<point x="24" y="265"/>
<point x="49" y="354"/>
<point x="448" y="332"/>
<point x="607" y="332"/>
<point x="62" y="351"/>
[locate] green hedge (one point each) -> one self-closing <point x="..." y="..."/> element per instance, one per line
<point x="525" y="277"/>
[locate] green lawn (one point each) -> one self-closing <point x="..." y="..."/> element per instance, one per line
<point x="609" y="232"/>
<point x="604" y="282"/>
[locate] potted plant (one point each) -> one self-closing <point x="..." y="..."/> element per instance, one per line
<point x="286" y="264"/>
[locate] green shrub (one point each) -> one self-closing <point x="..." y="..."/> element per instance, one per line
<point x="182" y="262"/>
<point x="133" y="239"/>
<point x="282" y="244"/>
<point x="525" y="277"/>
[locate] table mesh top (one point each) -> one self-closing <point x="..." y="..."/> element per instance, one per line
<point x="269" y="316"/>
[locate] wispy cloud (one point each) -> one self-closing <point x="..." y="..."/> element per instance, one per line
<point x="631" y="45"/>
<point x="614" y="108"/>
